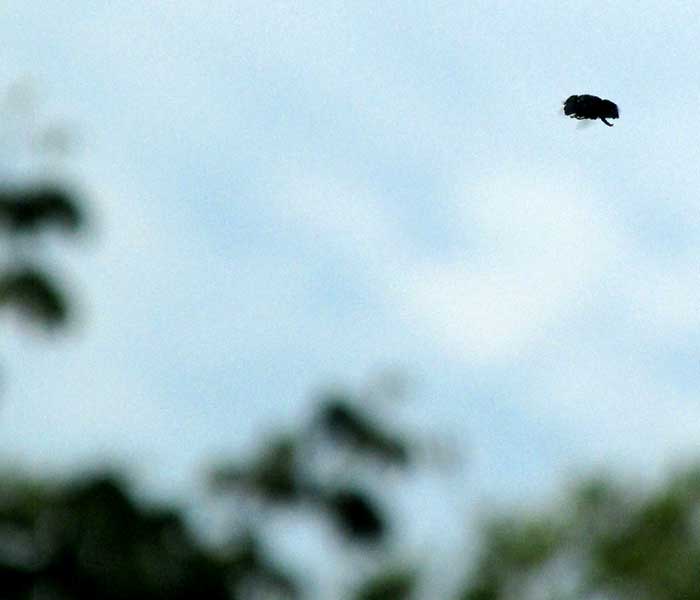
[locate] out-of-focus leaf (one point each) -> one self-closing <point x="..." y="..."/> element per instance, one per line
<point x="273" y="477"/>
<point x="345" y="424"/>
<point x="27" y="209"/>
<point x="356" y="515"/>
<point x="34" y="294"/>
<point x="249" y="568"/>
<point x="55" y="139"/>
<point x="524" y="544"/>
<point x="394" y="584"/>
<point x="656" y="545"/>
<point x="483" y="589"/>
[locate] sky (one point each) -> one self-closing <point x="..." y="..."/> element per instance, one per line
<point x="287" y="196"/>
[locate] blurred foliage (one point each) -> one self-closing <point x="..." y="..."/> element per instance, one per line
<point x="26" y="284"/>
<point x="288" y="470"/>
<point x="603" y="542"/>
<point x="356" y="514"/>
<point x="397" y="583"/>
<point x="272" y="476"/>
<point x="346" y="425"/>
<point x="29" y="208"/>
<point x="324" y="468"/>
<point x="34" y="294"/>
<point x="92" y="539"/>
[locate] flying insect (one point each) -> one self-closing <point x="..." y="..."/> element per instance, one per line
<point x="591" y="107"/>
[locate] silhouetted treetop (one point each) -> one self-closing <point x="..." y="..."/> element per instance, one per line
<point x="91" y="538"/>
<point x="603" y="541"/>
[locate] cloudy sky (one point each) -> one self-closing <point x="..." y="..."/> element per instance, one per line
<point x="289" y="195"/>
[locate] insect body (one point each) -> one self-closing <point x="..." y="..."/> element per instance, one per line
<point x="586" y="106"/>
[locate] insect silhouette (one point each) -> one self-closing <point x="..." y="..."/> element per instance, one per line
<point x="586" y="106"/>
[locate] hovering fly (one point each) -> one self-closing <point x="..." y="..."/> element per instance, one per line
<point x="591" y="107"/>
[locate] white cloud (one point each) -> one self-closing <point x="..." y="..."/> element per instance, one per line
<point x="339" y="213"/>
<point x="663" y="296"/>
<point x="538" y="249"/>
<point x="614" y="403"/>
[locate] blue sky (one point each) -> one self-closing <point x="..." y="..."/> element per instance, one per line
<point x="291" y="195"/>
